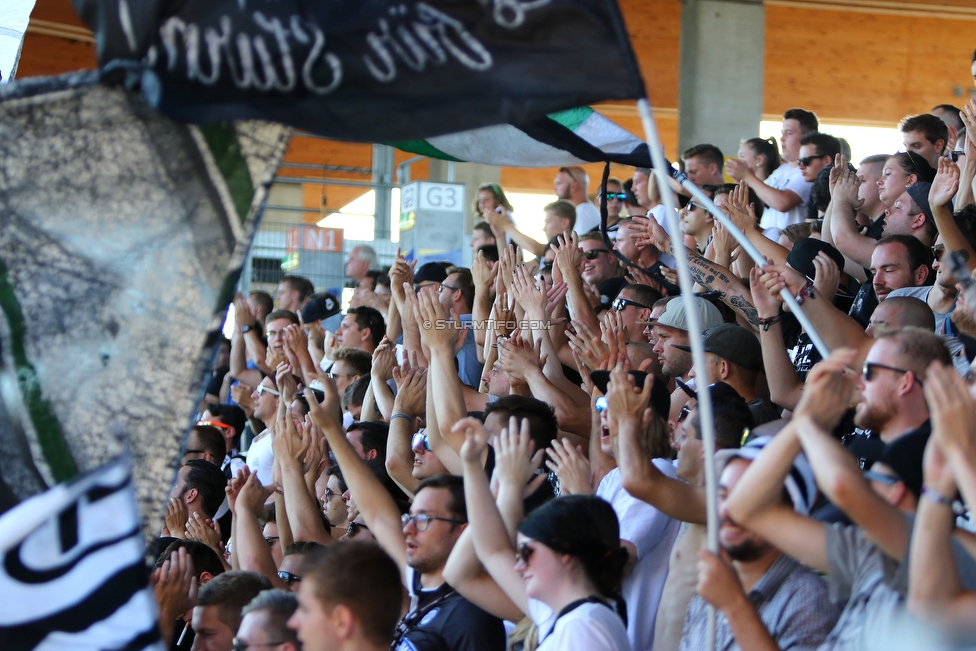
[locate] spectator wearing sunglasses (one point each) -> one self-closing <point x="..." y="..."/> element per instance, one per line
<point x="615" y="198"/>
<point x="290" y="570"/>
<point x="817" y="150"/>
<point x="264" y="622"/>
<point x="634" y="304"/>
<point x="259" y="455"/>
<point x="599" y="263"/>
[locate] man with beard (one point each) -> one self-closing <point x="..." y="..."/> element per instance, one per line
<point x="892" y="403"/>
<point x="765" y="599"/>
<point x="672" y="328"/>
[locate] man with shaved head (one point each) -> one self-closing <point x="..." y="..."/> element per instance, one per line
<point x="570" y="184"/>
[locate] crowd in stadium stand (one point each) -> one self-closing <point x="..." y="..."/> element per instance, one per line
<point x="511" y="455"/>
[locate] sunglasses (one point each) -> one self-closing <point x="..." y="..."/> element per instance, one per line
<point x="601" y="404"/>
<point x="619" y="304"/>
<point x="213" y="423"/>
<point x="937" y="251"/>
<point x="870" y="367"/>
<point x="353" y="529"/>
<point x="881" y="477"/>
<point x="805" y="162"/>
<point x="683" y="414"/>
<point x="418" y="286"/>
<point x="524" y="553"/>
<point x="616" y="196"/>
<point x="593" y="253"/>
<point x="288" y="577"/>
<point x="691" y="205"/>
<point x="263" y="389"/>
<point x="420" y="440"/>
<point x="441" y="287"/>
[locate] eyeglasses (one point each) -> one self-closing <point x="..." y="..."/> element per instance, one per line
<point x="805" y="162"/>
<point x="619" y="304"/>
<point x="239" y="645"/>
<point x="441" y="287"/>
<point x="288" y="577"/>
<point x="593" y="253"/>
<point x="329" y="494"/>
<point x="263" y="389"/>
<point x="421" y="521"/>
<point x="869" y="367"/>
<point x="937" y="251"/>
<point x="420" y="440"/>
<point x="352" y="530"/>
<point x="418" y="286"/>
<point x="616" y="196"/>
<point x="335" y="376"/>
<point x="883" y="478"/>
<point x="524" y="553"/>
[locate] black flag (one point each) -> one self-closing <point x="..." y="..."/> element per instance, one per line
<point x="368" y="70"/>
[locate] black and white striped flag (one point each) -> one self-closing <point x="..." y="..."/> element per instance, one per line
<point x="72" y="568"/>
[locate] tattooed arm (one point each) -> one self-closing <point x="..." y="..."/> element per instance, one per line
<point x="731" y="290"/>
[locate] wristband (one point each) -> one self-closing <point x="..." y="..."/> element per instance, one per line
<point x="765" y="322"/>
<point x="395" y="416"/>
<point x="805" y="293"/>
<point x="935" y="496"/>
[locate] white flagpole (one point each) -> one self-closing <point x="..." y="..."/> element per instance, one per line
<point x="754" y="253"/>
<point x="706" y="421"/>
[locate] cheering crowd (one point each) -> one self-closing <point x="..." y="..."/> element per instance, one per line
<point x="510" y="456"/>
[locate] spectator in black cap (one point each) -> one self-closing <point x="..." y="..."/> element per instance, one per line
<point x="319" y="308"/>
<point x="734" y="357"/>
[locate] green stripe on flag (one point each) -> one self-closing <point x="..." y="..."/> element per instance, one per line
<point x="46" y="424"/>
<point x="424" y="148"/>
<point x="572" y="118"/>
<point x="222" y="140"/>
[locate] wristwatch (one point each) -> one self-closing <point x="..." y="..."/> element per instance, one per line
<point x="246" y="329"/>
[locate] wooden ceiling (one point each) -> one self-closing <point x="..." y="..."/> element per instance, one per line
<point x="852" y="61"/>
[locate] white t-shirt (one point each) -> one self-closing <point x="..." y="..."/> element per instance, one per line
<point x="260" y="458"/>
<point x="786" y="178"/>
<point x="653" y="533"/>
<point x="587" y="218"/>
<point x="590" y="626"/>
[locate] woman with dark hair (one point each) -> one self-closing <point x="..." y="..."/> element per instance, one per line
<point x="489" y="198"/>
<point x="901" y="171"/>
<point x="568" y="564"/>
<point x="760" y="156"/>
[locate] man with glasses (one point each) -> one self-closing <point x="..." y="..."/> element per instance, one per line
<point x="264" y="622"/>
<point x="456" y="296"/>
<point x="634" y="304"/>
<point x="571" y="184"/>
<point x="817" y="150"/>
<point x="420" y="543"/>
<point x="614" y="197"/>
<point x="892" y="403"/>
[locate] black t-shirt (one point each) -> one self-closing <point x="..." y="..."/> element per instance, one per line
<point x="800" y="348"/>
<point x="443" y="620"/>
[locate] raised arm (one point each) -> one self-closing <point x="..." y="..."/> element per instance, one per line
<point x="785" y="387"/>
<point x="291" y="447"/>
<point x="484" y="280"/>
<point x="569" y="259"/>
<point x="934" y="588"/>
<point x="943" y="189"/>
<point x="384" y="359"/>
<point x="756" y="501"/>
<point x="250" y="546"/>
<point x="629" y="419"/>
<point x="407" y="407"/>
<point x="374" y="502"/>
<point x="440" y="335"/>
<point x="491" y="539"/>
<point x="844" y="204"/>
<point x="504" y="222"/>
<point x="782" y="200"/>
